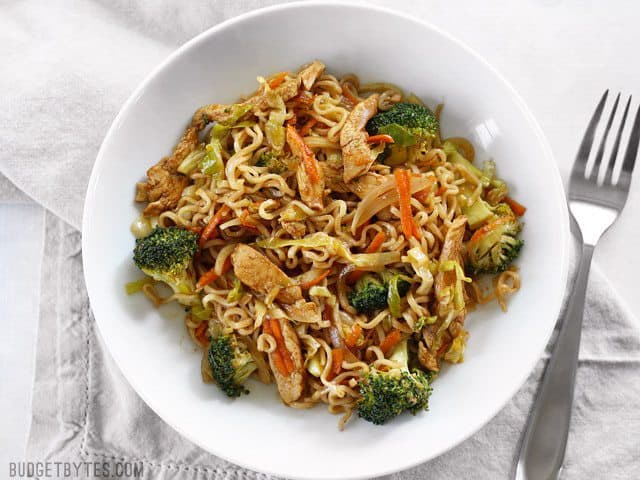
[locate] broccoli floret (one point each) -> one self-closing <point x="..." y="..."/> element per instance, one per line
<point x="493" y="247"/>
<point x="419" y="121"/>
<point x="166" y="255"/>
<point x="231" y="364"/>
<point x="370" y="293"/>
<point x="272" y="162"/>
<point x="386" y="394"/>
<point x="412" y="127"/>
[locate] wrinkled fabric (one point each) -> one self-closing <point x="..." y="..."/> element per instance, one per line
<point x="84" y="409"/>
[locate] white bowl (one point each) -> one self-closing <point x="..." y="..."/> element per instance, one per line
<point x="257" y="431"/>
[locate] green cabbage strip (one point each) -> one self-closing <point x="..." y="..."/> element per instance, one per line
<point x="393" y="297"/>
<point x="321" y="239"/>
<point x="458" y="293"/>
<point x="200" y="312"/>
<point x="212" y="163"/>
<point x="236" y="293"/>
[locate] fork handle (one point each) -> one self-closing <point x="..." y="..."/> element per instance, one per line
<point x="545" y="440"/>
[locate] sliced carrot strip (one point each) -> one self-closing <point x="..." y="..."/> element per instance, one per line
<point x="247" y="222"/>
<point x="382" y="138"/>
<point x="337" y="356"/>
<point x="404" y="193"/>
<point x="200" y="333"/>
<point x="351" y="340"/>
<point x="390" y="341"/>
<point x="278" y="79"/>
<point x="315" y="281"/>
<point x="308" y="126"/>
<point x="441" y="190"/>
<point x="211" y="275"/>
<point x="517" y="208"/>
<point x="373" y="247"/>
<point x="211" y="230"/>
<point x="284" y="353"/>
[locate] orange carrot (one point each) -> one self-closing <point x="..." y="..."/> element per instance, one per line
<point x="315" y="281"/>
<point x="482" y="231"/>
<point x="275" y="355"/>
<point x="211" y="230"/>
<point x="351" y="340"/>
<point x="211" y="275"/>
<point x="373" y="247"/>
<point x="277" y="79"/>
<point x="517" y="208"/>
<point x="390" y="341"/>
<point x="441" y="190"/>
<point x="200" y="333"/>
<point x="282" y="348"/>
<point x="308" y="126"/>
<point x="195" y="229"/>
<point x="377" y="242"/>
<point x="247" y="222"/>
<point x="308" y="158"/>
<point x="337" y="355"/>
<point x="382" y="138"/>
<point x="404" y="192"/>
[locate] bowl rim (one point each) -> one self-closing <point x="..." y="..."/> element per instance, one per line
<point x="556" y="183"/>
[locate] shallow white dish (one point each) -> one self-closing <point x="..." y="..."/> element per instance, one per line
<point x="218" y="66"/>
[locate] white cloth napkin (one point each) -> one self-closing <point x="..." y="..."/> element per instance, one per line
<point x="72" y="65"/>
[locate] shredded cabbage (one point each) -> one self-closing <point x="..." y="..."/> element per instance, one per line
<point x="455" y="354"/>
<point x="422" y="266"/>
<point x="212" y="163"/>
<point x="321" y="239"/>
<point x="393" y="297"/>
<point x="236" y="293"/>
<point x="191" y="162"/>
<point x="200" y="312"/>
<point x="458" y="292"/>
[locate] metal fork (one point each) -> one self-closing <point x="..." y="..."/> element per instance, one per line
<point x="594" y="206"/>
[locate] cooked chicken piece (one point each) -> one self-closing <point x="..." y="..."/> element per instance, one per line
<point x="356" y="152"/>
<point x="164" y="186"/>
<point x="303" y="311"/>
<point x="451" y="250"/>
<point x="333" y="178"/>
<point x="362" y="185"/>
<point x="260" y="274"/>
<point x="310" y="191"/>
<point x="291" y="386"/>
<point x="427" y="359"/>
<point x="287" y="90"/>
<point x="310" y="73"/>
<point x="295" y="229"/>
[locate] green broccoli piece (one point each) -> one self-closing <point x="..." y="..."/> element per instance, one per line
<point x="166" y="255"/>
<point x="410" y="125"/>
<point x="386" y="394"/>
<point x="272" y="162"/>
<point x="231" y="364"/>
<point x="368" y="295"/>
<point x="495" y="246"/>
<point x="371" y="291"/>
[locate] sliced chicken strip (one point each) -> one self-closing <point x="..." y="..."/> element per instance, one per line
<point x="356" y="152"/>
<point x="164" y="185"/>
<point x="260" y="274"/>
